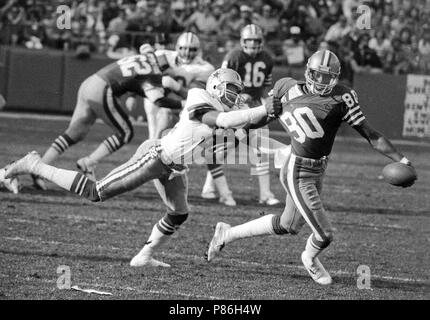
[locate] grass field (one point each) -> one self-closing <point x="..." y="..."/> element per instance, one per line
<point x="383" y="227"/>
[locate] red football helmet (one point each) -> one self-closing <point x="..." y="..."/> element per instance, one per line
<point x="251" y="39"/>
<point x="322" y="72"/>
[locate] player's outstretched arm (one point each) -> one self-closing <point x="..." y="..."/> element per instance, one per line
<point x="237" y="118"/>
<point x="272" y="102"/>
<point x="380" y="143"/>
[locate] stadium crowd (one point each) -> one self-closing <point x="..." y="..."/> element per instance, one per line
<point x="398" y="40"/>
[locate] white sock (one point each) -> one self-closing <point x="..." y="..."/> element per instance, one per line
<point x="209" y="185"/>
<point x="264" y="182"/>
<point x="258" y="227"/>
<point x="156" y="239"/>
<point x="62" y="178"/>
<point x="311" y="249"/>
<point x="222" y="185"/>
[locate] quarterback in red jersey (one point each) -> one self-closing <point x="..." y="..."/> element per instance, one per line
<point x="103" y="96"/>
<point x="312" y="113"/>
<point x="255" y="67"/>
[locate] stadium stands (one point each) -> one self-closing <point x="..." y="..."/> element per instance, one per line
<point x="398" y="40"/>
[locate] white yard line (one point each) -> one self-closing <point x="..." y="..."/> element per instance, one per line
<point x="237" y="261"/>
<point x="85" y="285"/>
<point x="35" y="116"/>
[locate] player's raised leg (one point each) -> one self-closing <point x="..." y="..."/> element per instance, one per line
<point x="145" y="165"/>
<point x="110" y="110"/>
<point x="174" y="194"/>
<point x="82" y="120"/>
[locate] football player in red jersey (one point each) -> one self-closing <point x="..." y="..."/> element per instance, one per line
<point x="312" y="114"/>
<point x="103" y="96"/>
<point x="255" y="67"/>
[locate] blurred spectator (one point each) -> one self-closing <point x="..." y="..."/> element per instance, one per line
<point x="349" y="7"/>
<point x="268" y="22"/>
<point x="33" y="31"/>
<point x="118" y="24"/>
<point x="380" y="43"/>
<point x="397" y="60"/>
<point x="246" y="16"/>
<point x="110" y="11"/>
<point x="399" y="22"/>
<point x="365" y="59"/>
<point x="82" y="36"/>
<point x="15" y="18"/>
<point x="424" y="51"/>
<point x="178" y="16"/>
<point x="293" y="54"/>
<point x="338" y="30"/>
<point x="203" y="20"/>
<point x="230" y="22"/>
<point x="330" y="15"/>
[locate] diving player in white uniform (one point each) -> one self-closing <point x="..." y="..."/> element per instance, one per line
<point x="165" y="159"/>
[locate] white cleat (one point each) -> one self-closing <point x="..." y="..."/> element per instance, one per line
<point x="11" y="184"/>
<point x="24" y="165"/>
<point x="209" y="195"/>
<point x="270" y="201"/>
<point x="39" y="183"/>
<point x="316" y="270"/>
<point x="228" y="200"/>
<point x="147" y="261"/>
<point x="218" y="240"/>
<point x="87" y="167"/>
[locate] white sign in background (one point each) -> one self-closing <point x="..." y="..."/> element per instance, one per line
<point x="416" y="121"/>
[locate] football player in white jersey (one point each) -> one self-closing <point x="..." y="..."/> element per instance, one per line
<point x="162" y="159"/>
<point x="185" y="66"/>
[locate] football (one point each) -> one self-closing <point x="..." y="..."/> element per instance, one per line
<point x="399" y="174"/>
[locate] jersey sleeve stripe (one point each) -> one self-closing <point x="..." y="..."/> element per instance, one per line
<point x="200" y="106"/>
<point x="358" y="114"/>
<point x="350" y="112"/>
<point x="358" y="121"/>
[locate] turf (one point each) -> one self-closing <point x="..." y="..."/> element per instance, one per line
<point x="377" y="225"/>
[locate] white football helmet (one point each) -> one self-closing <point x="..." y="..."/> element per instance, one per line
<point x="225" y="85"/>
<point x="187" y="47"/>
